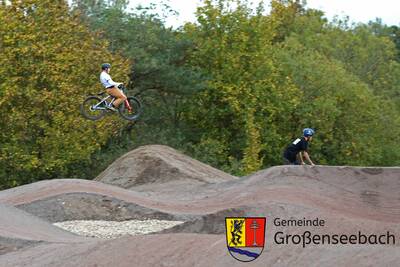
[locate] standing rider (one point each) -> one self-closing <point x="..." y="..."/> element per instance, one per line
<point x="299" y="147"/>
<point x="111" y="86"/>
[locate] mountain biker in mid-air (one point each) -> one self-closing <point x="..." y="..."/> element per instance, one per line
<point x="111" y="86"/>
<point x="299" y="147"/>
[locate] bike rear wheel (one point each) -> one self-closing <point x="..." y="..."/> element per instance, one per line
<point x="135" y="110"/>
<point x="88" y="109"/>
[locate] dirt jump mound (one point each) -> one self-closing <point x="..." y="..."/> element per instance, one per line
<point x="157" y="182"/>
<point x="159" y="164"/>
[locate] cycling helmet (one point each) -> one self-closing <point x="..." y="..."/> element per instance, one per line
<point x="308" y="132"/>
<point x="105" y="66"/>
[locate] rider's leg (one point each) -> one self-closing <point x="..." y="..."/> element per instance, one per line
<point x="118" y="94"/>
<point x="289" y="162"/>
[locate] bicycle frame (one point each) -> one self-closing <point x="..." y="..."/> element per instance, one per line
<point x="95" y="106"/>
<point x="108" y="104"/>
<point x="99" y="106"/>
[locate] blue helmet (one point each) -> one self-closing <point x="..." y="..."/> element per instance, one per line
<point x="105" y="66"/>
<point x="308" y="132"/>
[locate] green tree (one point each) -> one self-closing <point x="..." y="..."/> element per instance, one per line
<point x="349" y="76"/>
<point x="52" y="61"/>
<point x="160" y="73"/>
<point x="248" y="102"/>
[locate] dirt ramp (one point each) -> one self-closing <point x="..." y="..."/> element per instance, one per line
<point x="348" y="199"/>
<point x="8" y="245"/>
<point x="90" y="206"/>
<point x="362" y="191"/>
<point x="332" y="189"/>
<point x="50" y="188"/>
<point x="17" y="224"/>
<point x="157" y="164"/>
<point x="360" y="180"/>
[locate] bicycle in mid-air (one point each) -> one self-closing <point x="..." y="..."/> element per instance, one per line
<point x="94" y="107"/>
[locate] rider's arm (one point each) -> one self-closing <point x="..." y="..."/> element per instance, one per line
<point x="110" y="81"/>
<point x="301" y="158"/>
<point x="307" y="156"/>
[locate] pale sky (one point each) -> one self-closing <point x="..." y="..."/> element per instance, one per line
<point x="357" y="10"/>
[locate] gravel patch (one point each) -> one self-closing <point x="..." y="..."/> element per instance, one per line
<point x="115" y="229"/>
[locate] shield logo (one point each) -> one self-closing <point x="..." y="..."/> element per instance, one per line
<point x="245" y="237"/>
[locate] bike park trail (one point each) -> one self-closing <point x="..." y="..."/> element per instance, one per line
<point x="157" y="182"/>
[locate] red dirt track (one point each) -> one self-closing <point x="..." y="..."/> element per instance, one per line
<point x="349" y="199"/>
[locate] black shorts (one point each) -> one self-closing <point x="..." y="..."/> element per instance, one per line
<point x="288" y="159"/>
<point x="290" y="162"/>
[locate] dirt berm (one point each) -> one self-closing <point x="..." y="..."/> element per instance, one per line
<point x="348" y="199"/>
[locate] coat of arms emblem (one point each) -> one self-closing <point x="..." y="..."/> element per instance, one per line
<point x="245" y="237"/>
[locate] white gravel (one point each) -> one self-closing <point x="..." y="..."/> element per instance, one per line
<point x="112" y="229"/>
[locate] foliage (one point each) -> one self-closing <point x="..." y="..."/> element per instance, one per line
<point x="232" y="89"/>
<point x="50" y="62"/>
<point x="350" y="78"/>
<point x="160" y="73"/>
<point x="248" y="101"/>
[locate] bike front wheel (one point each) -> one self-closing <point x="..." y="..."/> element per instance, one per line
<point x="90" y="110"/>
<point x="131" y="109"/>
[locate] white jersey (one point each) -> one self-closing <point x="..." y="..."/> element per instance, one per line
<point x="106" y="80"/>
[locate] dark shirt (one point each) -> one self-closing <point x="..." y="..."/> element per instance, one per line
<point x="300" y="144"/>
